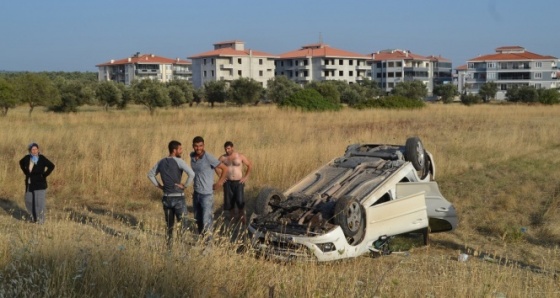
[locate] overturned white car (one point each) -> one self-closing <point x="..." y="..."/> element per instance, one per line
<point x="353" y="205"/>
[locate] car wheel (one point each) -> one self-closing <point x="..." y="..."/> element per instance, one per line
<point x="267" y="196"/>
<point x="414" y="152"/>
<point x="350" y="216"/>
<point x="427" y="167"/>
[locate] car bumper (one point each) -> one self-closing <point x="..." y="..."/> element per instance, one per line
<point x="326" y="247"/>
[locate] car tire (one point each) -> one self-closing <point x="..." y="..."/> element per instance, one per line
<point x="415" y="153"/>
<point x="351" y="217"/>
<point x="265" y="197"/>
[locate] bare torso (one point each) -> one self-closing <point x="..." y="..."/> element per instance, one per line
<point x="234" y="164"/>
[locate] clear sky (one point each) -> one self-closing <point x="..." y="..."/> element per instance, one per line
<point x="75" y="35"/>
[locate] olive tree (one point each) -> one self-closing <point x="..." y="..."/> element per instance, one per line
<point x="36" y="90"/>
<point x="280" y="88"/>
<point x="151" y="93"/>
<point x="215" y="91"/>
<point x="488" y="91"/>
<point x="108" y="94"/>
<point x="245" y="90"/>
<point x="8" y="96"/>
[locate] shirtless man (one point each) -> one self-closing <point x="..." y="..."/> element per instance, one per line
<point x="233" y="187"/>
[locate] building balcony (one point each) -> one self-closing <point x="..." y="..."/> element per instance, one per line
<point x="226" y="66"/>
<point x="363" y="67"/>
<point x="182" y="72"/>
<point x="408" y="68"/>
<point x="329" y="67"/>
<point x="150" y="72"/>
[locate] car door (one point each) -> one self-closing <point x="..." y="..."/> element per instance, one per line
<point x="401" y="215"/>
<point x="441" y="213"/>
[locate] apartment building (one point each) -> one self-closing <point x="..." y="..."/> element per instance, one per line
<point x="442" y="70"/>
<point x="230" y="61"/>
<point x="509" y="66"/>
<point x="460" y="77"/>
<point x="320" y="62"/>
<point x="390" y="67"/>
<point x="144" y="66"/>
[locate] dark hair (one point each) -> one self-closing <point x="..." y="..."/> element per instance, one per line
<point x="173" y="145"/>
<point x="197" y="139"/>
<point x="32" y="145"/>
<point x="228" y="144"/>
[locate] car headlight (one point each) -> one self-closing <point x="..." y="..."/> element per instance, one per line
<point x="326" y="247"/>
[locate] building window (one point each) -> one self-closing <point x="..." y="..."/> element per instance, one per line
<point x="260" y="62"/>
<point x="351" y="73"/>
<point x="538" y="75"/>
<point x="297" y="62"/>
<point x="491" y="65"/>
<point x="340" y="73"/>
<point x="340" y="62"/>
<point x="281" y="63"/>
<point x="239" y="60"/>
<point x="378" y="75"/>
<point x="212" y="73"/>
<point x="204" y="62"/>
<point x="212" y="61"/>
<point x="204" y="74"/>
<point x="305" y="62"/>
<point x="391" y="64"/>
<point x="378" y="65"/>
<point x="239" y="72"/>
<point x="350" y="62"/>
<point x="260" y="73"/>
<point x="391" y="85"/>
<point x="391" y="74"/>
<point x="305" y="74"/>
<point x="326" y="74"/>
<point x="538" y="64"/>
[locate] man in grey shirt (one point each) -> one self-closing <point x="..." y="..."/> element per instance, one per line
<point x="204" y="165"/>
<point x="170" y="170"/>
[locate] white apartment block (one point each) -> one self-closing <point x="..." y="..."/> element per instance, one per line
<point x="509" y="66"/>
<point x="390" y="67"/>
<point x="320" y="62"/>
<point x="230" y="61"/>
<point x="144" y="66"/>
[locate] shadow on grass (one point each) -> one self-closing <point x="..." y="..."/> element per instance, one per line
<point x="496" y="259"/>
<point x="14" y="210"/>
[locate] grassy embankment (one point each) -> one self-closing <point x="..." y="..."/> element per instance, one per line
<point x="499" y="165"/>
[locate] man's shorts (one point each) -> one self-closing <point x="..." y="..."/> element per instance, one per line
<point x="233" y="194"/>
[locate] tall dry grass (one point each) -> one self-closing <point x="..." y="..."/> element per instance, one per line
<point x="498" y="164"/>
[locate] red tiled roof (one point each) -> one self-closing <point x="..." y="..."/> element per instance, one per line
<point x="230" y="52"/>
<point x="462" y="67"/>
<point x="396" y="55"/>
<point x="320" y="50"/>
<point x="145" y="59"/>
<point x="509" y="53"/>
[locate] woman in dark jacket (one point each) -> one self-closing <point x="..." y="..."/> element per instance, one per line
<point x="36" y="168"/>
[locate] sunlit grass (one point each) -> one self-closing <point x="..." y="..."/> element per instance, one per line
<point x="104" y="234"/>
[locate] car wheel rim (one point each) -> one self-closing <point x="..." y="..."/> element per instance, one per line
<point x="354" y="216"/>
<point x="420" y="154"/>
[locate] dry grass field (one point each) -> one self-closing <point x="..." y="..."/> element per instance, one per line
<point x="104" y="237"/>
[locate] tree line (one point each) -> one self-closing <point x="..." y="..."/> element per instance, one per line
<point x="67" y="91"/>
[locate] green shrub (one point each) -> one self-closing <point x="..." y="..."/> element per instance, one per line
<point x="469" y="99"/>
<point x="391" y="102"/>
<point x="309" y="100"/>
